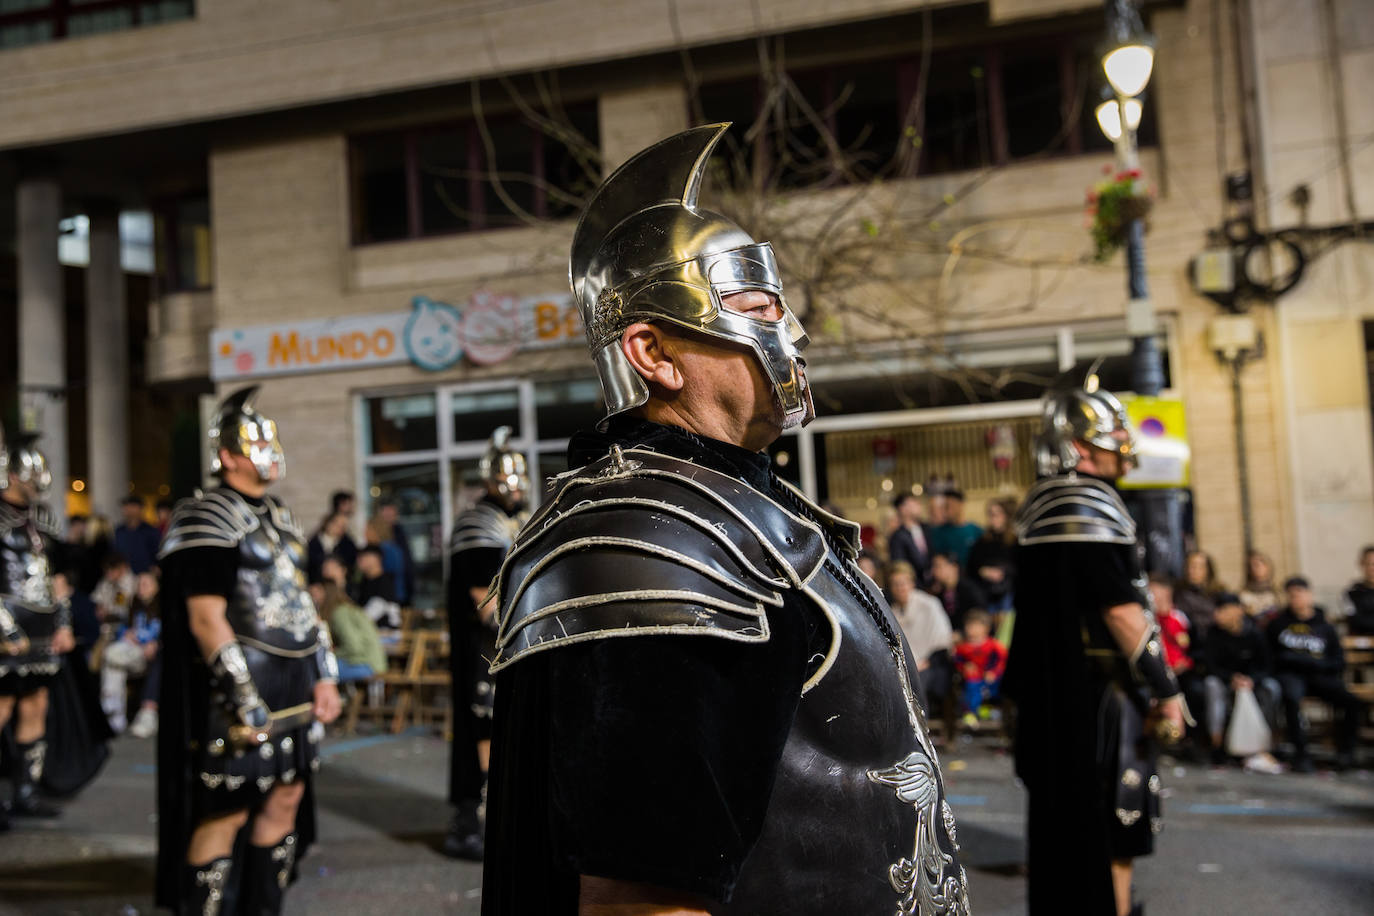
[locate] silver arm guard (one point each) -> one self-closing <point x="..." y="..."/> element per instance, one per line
<point x="11" y="636"/>
<point x="241" y="701"/>
<point x="326" y="665"/>
<point x="64" y="613"/>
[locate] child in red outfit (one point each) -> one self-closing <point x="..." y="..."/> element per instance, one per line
<point x="981" y="660"/>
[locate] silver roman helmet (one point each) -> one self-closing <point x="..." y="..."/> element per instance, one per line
<point x="1086" y="413"/>
<point x="643" y="251"/>
<point x="502" y="467"/>
<point x="21" y="457"/>
<point x="238" y="428"/>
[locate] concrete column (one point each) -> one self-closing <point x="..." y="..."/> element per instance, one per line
<point x="107" y="367"/>
<point x="42" y="328"/>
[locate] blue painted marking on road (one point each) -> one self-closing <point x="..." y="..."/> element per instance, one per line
<point x="355" y="744"/>
<point x="145" y="769"/>
<point x="1257" y="811"/>
<point x="967" y="801"/>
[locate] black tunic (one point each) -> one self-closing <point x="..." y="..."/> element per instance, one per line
<point x="1068" y="728"/>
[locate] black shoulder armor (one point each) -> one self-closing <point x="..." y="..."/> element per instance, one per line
<point x="639" y="543"/>
<point x="1074" y="508"/>
<point x="220" y="518"/>
<point x="484" y="525"/>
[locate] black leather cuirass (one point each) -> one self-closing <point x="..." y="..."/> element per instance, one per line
<point x="270" y="608"/>
<point x="857" y="822"/>
<point x="26" y="591"/>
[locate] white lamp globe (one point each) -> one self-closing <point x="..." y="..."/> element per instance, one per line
<point x="1128" y="68"/>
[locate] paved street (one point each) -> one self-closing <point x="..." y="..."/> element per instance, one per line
<point x="1236" y="843"/>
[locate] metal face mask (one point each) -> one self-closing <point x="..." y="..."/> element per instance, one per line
<point x="503" y="468"/>
<point x="1089" y="414"/>
<point x="643" y="251"/>
<point x="238" y="428"/>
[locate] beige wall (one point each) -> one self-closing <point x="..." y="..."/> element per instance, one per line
<point x="246" y="56"/>
<point x="282" y="247"/>
<point x="1313" y="74"/>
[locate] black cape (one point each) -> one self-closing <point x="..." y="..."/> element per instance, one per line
<point x="1062" y="590"/>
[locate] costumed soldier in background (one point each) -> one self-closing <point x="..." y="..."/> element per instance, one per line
<point x="248" y="670"/>
<point x="481" y="537"/>
<point x="702" y="704"/>
<point x="35" y="628"/>
<point x="1086" y="667"/>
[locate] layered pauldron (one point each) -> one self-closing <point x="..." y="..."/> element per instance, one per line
<point x="483" y="526"/>
<point x="639" y="543"/>
<point x="1069" y="508"/>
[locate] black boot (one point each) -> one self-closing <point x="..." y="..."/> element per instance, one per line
<point x="464" y="839"/>
<point x="266" y="872"/>
<point x="27" y="773"/>
<point x="206" y="887"/>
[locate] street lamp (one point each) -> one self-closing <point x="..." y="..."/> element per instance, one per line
<point x="1128" y="58"/>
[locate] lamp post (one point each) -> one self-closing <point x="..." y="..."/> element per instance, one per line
<point x="1127" y="62"/>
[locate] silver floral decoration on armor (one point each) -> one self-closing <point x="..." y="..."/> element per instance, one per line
<point x="214" y="878"/>
<point x="34" y="758"/>
<point x="1130" y="778"/>
<point x="285" y="856"/>
<point x="918" y="879"/>
<point x="1127" y="818"/>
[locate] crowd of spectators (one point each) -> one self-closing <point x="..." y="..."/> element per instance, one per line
<point x="1267" y="644"/>
<point x="952" y="587"/>
<point x="950" y="583"/>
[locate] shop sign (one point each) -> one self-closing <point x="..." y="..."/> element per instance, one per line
<point x="1161" y="435"/>
<point x="433" y="335"/>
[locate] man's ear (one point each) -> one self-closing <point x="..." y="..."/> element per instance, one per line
<point x="651" y="353"/>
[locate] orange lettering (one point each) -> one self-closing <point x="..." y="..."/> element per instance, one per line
<point x="280" y="354"/>
<point x="383" y="342"/>
<point x="546" y="321"/>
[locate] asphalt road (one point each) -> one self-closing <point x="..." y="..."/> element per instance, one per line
<point x="1236" y="844"/>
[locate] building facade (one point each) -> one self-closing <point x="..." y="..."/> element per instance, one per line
<point x="366" y="208"/>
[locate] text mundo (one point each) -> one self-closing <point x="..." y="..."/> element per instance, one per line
<point x="290" y="349"/>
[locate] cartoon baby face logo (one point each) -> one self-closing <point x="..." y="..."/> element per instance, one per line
<point x="432" y="334"/>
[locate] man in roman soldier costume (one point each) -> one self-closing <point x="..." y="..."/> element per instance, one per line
<point x="481" y="537"/>
<point x="702" y="704"/>
<point x="248" y="671"/>
<point x="35" y="628"/>
<point x="1086" y="668"/>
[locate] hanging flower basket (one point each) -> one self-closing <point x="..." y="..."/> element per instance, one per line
<point x="1112" y="205"/>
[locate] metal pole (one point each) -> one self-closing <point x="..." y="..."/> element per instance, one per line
<point x="1242" y="469"/>
<point x="1160" y="511"/>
